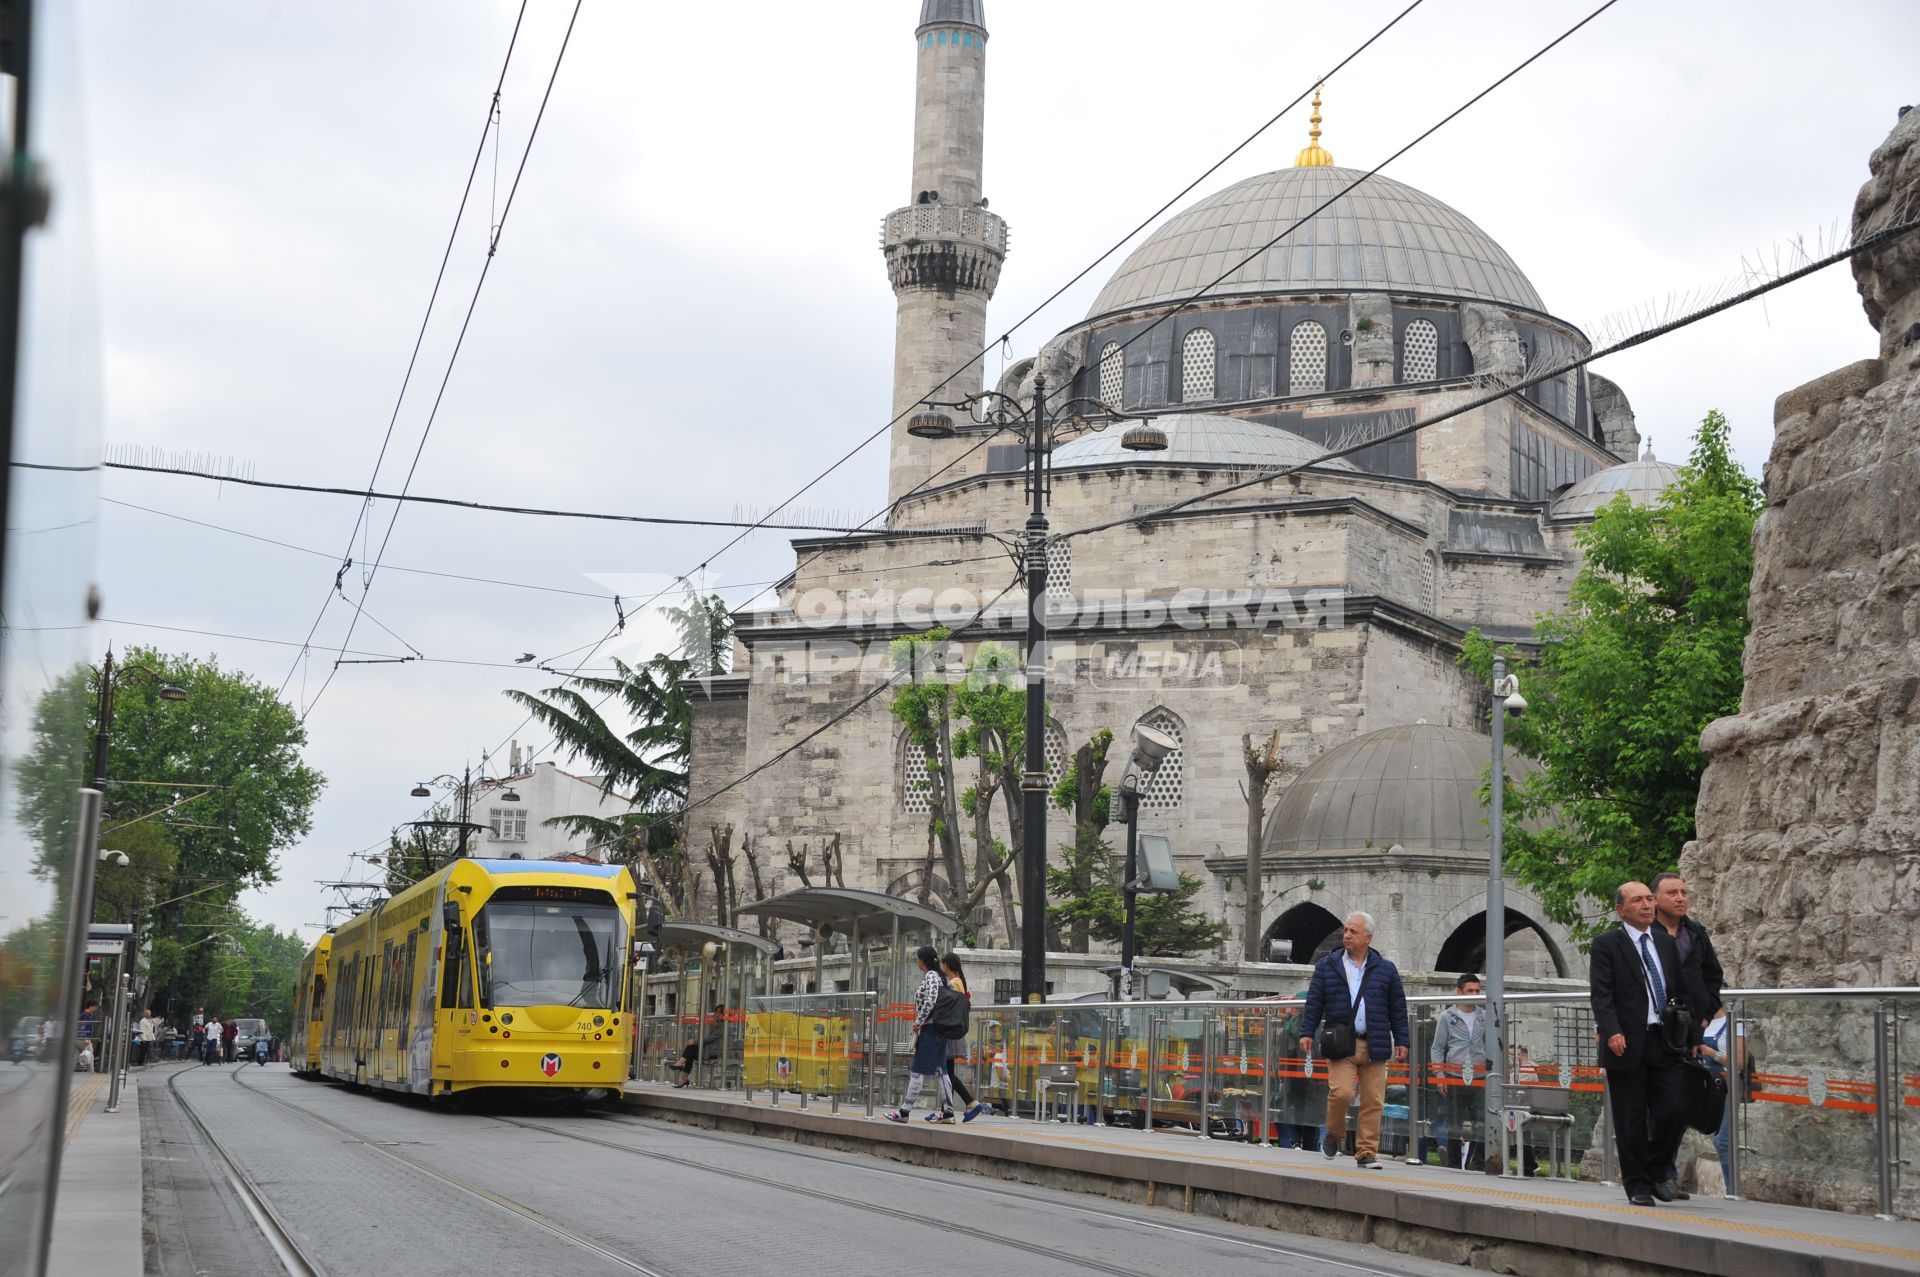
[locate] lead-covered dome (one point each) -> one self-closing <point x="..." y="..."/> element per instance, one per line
<point x="1384" y="236"/>
<point x="1414" y="787"/>
<point x="1644" y="481"/>
<point x="1204" y="439"/>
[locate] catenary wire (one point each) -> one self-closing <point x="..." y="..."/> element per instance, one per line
<point x="433" y="414"/>
<point x="406" y="498"/>
<point x="433" y="297"/>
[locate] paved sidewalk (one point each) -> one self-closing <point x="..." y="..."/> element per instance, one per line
<point x="1425" y="1210"/>
<point x="96" y="1219"/>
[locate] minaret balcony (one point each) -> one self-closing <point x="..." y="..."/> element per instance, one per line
<point x="943" y="247"/>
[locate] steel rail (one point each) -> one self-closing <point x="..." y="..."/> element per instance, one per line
<point x="947" y="1185"/>
<point x="525" y="1213"/>
<point x="279" y="1236"/>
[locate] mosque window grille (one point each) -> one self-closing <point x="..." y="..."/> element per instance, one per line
<point x="1059" y="569"/>
<point x="1166" y="788"/>
<point x="1113" y="376"/>
<point x="1056" y="752"/>
<point x="1196" y="366"/>
<point x="916" y="786"/>
<point x="1430" y="582"/>
<point x="1307" y="364"/>
<point x="1420" y="357"/>
<point x="1572" y="382"/>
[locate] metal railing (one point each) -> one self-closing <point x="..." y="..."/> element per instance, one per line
<point x="1818" y="1073"/>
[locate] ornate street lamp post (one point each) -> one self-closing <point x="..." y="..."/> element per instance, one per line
<point x="1039" y="427"/>
<point x="464" y="783"/>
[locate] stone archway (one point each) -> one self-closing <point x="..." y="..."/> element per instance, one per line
<point x="1305" y="931"/>
<point x="1465" y="948"/>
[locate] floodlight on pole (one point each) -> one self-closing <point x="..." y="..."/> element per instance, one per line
<point x="1151" y="747"/>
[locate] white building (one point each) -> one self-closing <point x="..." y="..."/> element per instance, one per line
<point x="517" y="826"/>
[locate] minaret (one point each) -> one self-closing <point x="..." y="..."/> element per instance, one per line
<point x="944" y="248"/>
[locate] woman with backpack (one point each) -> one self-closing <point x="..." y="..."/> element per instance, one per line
<point x="956" y="978"/>
<point x="929" y="1048"/>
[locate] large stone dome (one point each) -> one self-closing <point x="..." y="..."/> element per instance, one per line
<point x="1414" y="787"/>
<point x="1383" y="237"/>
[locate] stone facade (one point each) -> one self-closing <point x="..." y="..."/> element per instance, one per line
<point x="1808" y="852"/>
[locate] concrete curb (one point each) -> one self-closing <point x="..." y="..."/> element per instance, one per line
<point x="1516" y="1226"/>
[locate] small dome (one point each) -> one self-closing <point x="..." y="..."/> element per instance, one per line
<point x="1384" y="236"/>
<point x="1644" y="481"/>
<point x="1416" y="788"/>
<point x="1199" y="439"/>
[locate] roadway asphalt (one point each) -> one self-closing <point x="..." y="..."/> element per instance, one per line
<point x="363" y="1183"/>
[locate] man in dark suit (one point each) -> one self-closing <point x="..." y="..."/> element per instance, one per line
<point x="1634" y="970"/>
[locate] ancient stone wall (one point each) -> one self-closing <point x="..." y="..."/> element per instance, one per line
<point x="1807" y="862"/>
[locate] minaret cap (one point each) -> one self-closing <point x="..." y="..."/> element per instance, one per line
<point x="1315" y="155"/>
<point x="953" y="13"/>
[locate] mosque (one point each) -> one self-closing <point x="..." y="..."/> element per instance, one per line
<point x="1327" y="605"/>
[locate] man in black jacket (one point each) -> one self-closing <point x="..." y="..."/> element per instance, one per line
<point x="1634" y="971"/>
<point x="1701" y="978"/>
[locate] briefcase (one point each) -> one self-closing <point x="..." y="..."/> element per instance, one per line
<point x="1706" y="1103"/>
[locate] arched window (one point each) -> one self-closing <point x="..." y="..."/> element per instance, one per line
<point x="1167" y="786"/>
<point x="1307" y="367"/>
<point x="1196" y="366"/>
<point x="1059" y="568"/>
<point x="1056" y="753"/>
<point x="916" y="788"/>
<point x="1113" y="377"/>
<point x="1420" y="351"/>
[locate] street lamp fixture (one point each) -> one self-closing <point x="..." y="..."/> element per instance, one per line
<point x="421" y="791"/>
<point x="464" y="783"/>
<point x="1145" y="437"/>
<point x="1039" y="426"/>
<point x="172" y="692"/>
<point x="930" y="425"/>
<point x="1151" y="747"/>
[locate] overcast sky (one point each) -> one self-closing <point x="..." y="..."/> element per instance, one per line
<point x="688" y="313"/>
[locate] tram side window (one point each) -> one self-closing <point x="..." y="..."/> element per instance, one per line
<point x="414" y="939"/>
<point x="319" y="989"/>
<point x="385" y="1016"/>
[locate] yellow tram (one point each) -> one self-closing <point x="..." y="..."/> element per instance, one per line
<point x="309" y="1003"/>
<point x="486" y="974"/>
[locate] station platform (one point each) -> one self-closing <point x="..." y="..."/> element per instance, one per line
<point x="97" y="1219"/>
<point x="1520" y="1226"/>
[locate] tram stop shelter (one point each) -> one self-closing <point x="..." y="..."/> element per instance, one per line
<point x="880" y="933"/>
<point x="720" y="972"/>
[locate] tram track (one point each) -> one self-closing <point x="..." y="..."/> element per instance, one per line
<point x="525" y="1214"/>
<point x="946" y="1184"/>
<point x="258" y="1208"/>
<point x="852" y="1203"/>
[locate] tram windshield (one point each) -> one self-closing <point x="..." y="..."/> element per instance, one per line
<point x="549" y="951"/>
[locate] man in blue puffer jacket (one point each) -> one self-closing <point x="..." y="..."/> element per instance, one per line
<point x="1354" y="985"/>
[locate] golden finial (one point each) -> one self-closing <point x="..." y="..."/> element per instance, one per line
<point x="1315" y="156"/>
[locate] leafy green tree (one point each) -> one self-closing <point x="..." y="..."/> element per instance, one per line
<point x="649" y="760"/>
<point x="1646" y="654"/>
<point x="1165" y="924"/>
<point x="415" y="851"/>
<point x="924" y="705"/>
<point x="201" y="794"/>
<point x="1082" y="791"/>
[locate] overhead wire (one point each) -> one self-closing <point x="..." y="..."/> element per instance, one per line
<point x="433" y="297"/>
<point x="433" y="414"/>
